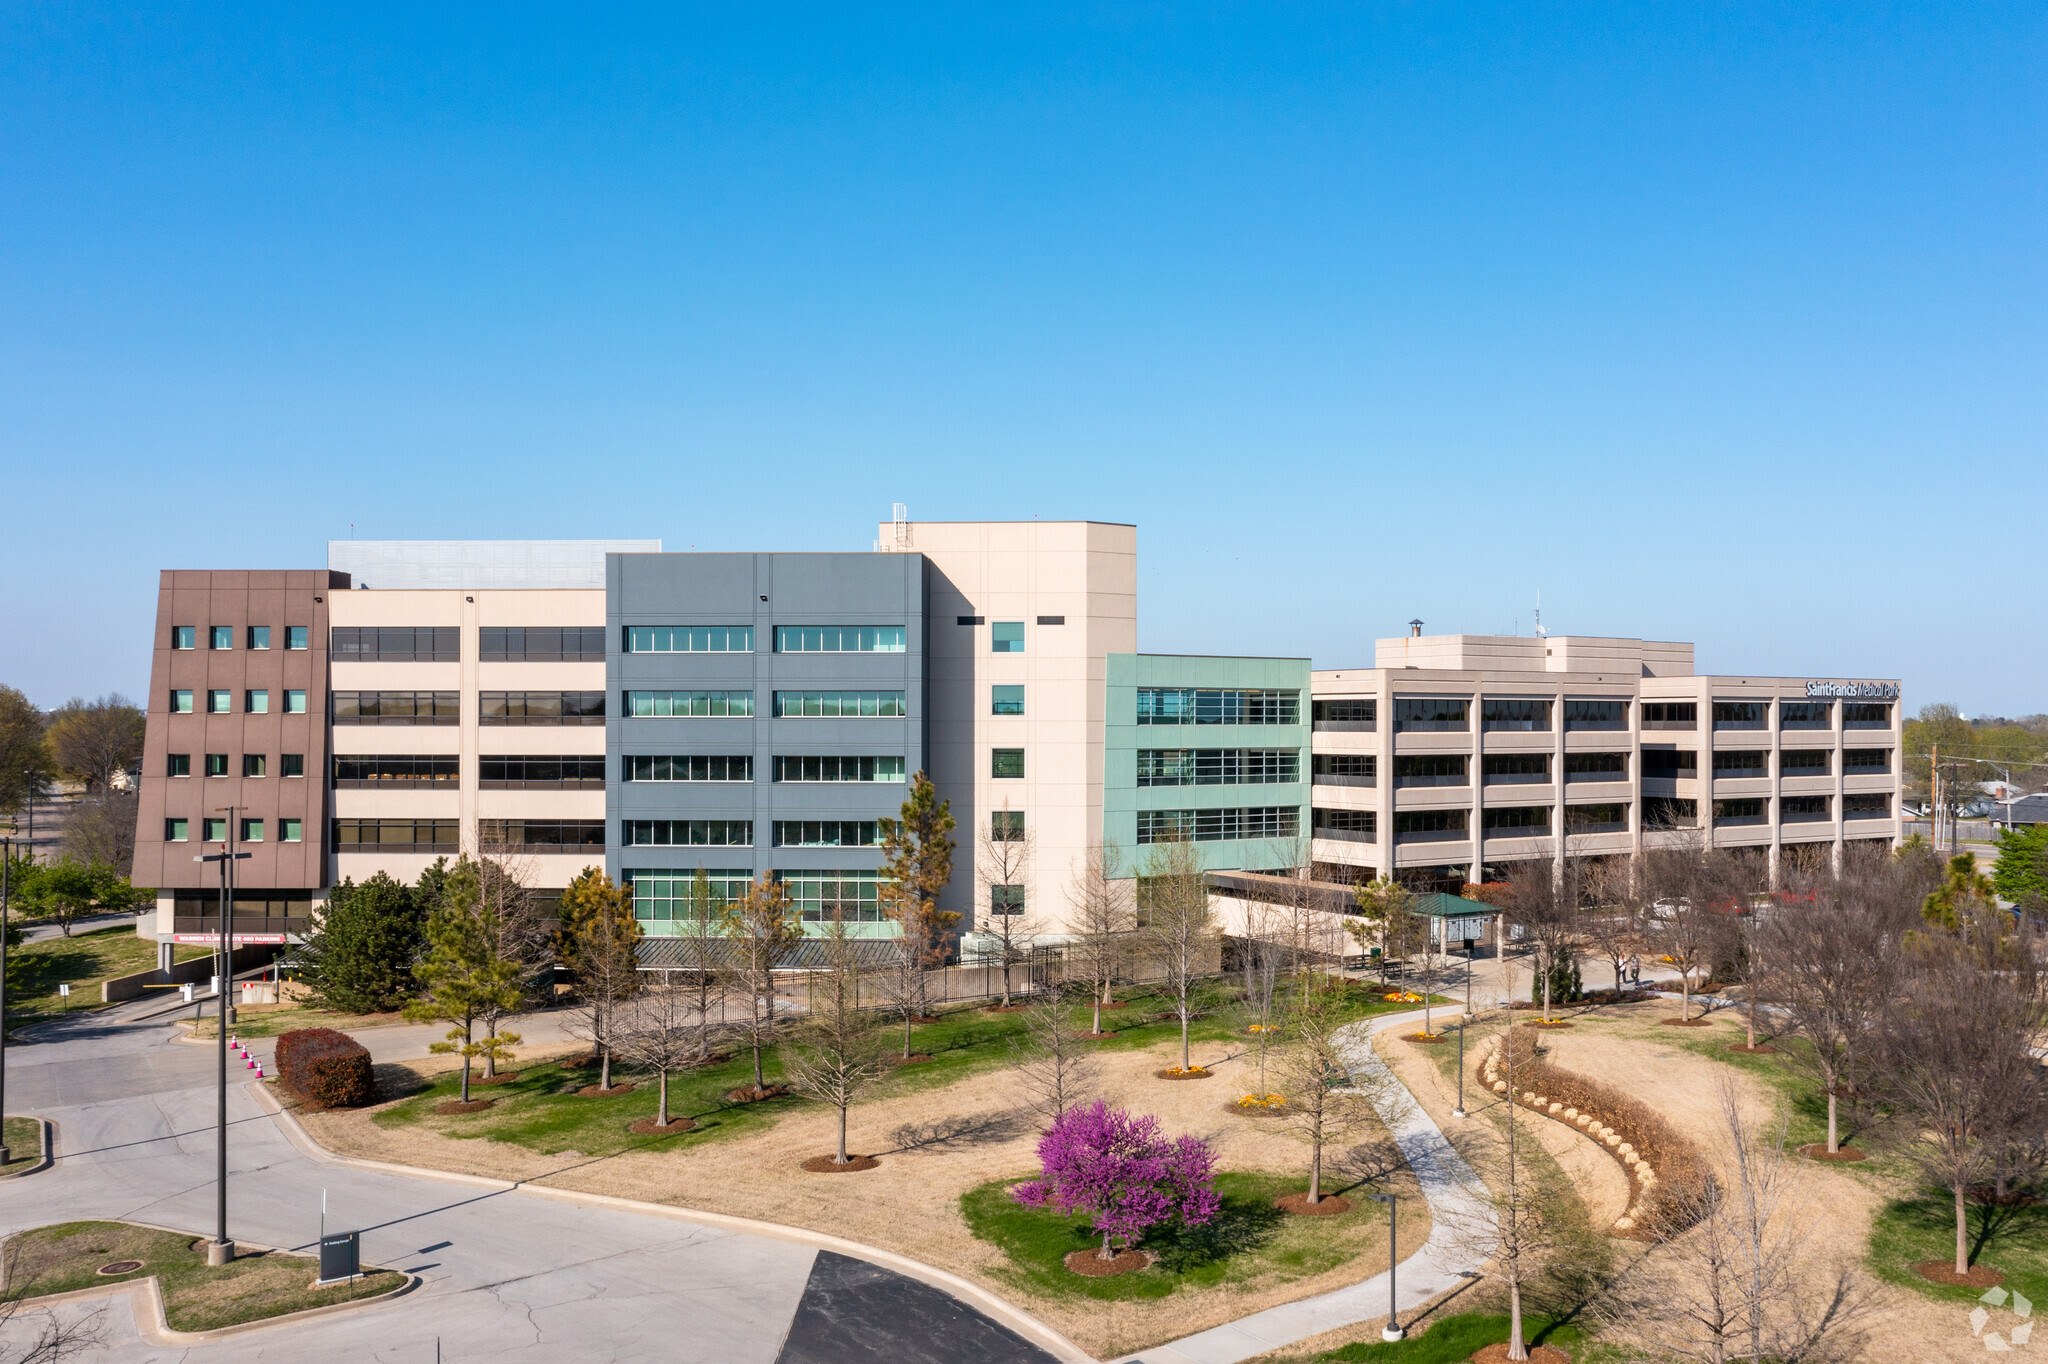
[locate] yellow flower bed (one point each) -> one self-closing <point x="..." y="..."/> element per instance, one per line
<point x="1405" y="997"/>
<point x="1266" y="1102"/>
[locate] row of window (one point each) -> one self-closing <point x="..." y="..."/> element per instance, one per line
<point x="577" y="707"/>
<point x="395" y="644"/>
<point x="1206" y="706"/>
<point x="1214" y="826"/>
<point x="789" y="639"/>
<point x="1606" y="817"/>
<point x="1217" y="766"/>
<point x="1533" y="714"/>
<point x="739" y="833"/>
<point x="223" y="637"/>
<point x="221" y="701"/>
<point x="1449" y="769"/>
<point x="841" y="705"/>
<point x="216" y="830"/>
<point x="664" y="895"/>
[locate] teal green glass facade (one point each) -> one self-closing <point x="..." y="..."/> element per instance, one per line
<point x="1126" y="805"/>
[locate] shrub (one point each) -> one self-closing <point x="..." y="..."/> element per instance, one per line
<point x="324" y="1068"/>
<point x="1105" y="1164"/>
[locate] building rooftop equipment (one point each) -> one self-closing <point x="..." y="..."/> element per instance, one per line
<point x="495" y="564"/>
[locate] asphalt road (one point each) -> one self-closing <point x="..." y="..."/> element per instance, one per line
<point x="508" y="1276"/>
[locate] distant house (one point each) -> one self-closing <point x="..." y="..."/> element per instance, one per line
<point x="2026" y="810"/>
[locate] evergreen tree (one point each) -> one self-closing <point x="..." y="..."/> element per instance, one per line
<point x="2021" y="874"/>
<point x="359" y="957"/>
<point x="918" y="860"/>
<point x="466" y="975"/>
<point x="1963" y="894"/>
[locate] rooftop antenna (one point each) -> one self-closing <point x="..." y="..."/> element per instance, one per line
<point x="902" y="526"/>
<point x="1539" y="615"/>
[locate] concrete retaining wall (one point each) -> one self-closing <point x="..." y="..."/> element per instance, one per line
<point x="200" y="969"/>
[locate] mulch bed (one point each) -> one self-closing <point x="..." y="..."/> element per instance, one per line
<point x="1098" y="1036"/>
<point x="916" y="1058"/>
<point x="827" y="1165"/>
<point x="2013" y="1198"/>
<point x="1195" y="1073"/>
<point x="501" y="1078"/>
<point x="599" y="1092"/>
<point x="1329" y="1205"/>
<point x="1091" y="1263"/>
<point x="647" y="1127"/>
<point x="1244" y="1110"/>
<point x="747" y="1094"/>
<point x="1683" y="1022"/>
<point x="1818" y="1150"/>
<point x="1118" y="1004"/>
<point x="1432" y="1038"/>
<point x="1539" y="1354"/>
<point x="1944" y="1272"/>
<point x="455" y="1106"/>
<point x="1760" y="1049"/>
<point x="925" y="1018"/>
<point x="1553" y="1025"/>
<point x="587" y="1061"/>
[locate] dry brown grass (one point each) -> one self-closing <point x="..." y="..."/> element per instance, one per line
<point x="911" y="1203"/>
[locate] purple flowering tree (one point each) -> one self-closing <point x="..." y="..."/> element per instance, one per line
<point x="1118" y="1171"/>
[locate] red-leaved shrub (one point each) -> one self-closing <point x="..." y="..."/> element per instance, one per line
<point x="323" y="1068"/>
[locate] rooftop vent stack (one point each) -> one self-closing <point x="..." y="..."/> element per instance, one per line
<point x="1415" y="629"/>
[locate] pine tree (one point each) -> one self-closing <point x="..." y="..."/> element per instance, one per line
<point x="359" y="957"/>
<point x="918" y="861"/>
<point x="465" y="975"/>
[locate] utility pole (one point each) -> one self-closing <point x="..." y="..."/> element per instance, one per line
<point x="6" y="888"/>
<point x="30" y="773"/>
<point x="222" y="1249"/>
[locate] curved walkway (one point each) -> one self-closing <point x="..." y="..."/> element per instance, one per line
<point x="1455" y="1198"/>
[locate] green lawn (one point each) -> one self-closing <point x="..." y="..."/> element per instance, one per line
<point x="65" y="1257"/>
<point x="36" y="969"/>
<point x="1250" y="1239"/>
<point x="1915" y="1230"/>
<point x="1451" y="1341"/>
<point x="269" y="1022"/>
<point x="24" y="1144"/>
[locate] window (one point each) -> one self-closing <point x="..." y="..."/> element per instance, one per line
<point x="1350" y="714"/>
<point x="259" y="637"/>
<point x="1347" y="769"/>
<point x="1739" y="714"/>
<point x="1518" y="820"/>
<point x="541" y="644"/>
<point x="1431" y="826"/>
<point x="177" y="830"/>
<point x="1865" y="807"/>
<point x="1669" y="764"/>
<point x="1596" y="819"/>
<point x="662" y="896"/>
<point x="214" y="830"/>
<point x="255" y="765"/>
<point x="1200" y="706"/>
<point x="683" y="767"/>
<point x="1432" y="769"/>
<point x="221" y="637"/>
<point x="256" y="702"/>
<point x="1354" y="826"/>
<point x="1802" y="808"/>
<point x="679" y="704"/>
<point x="1671" y="714"/>
<point x="296" y="636"/>
<point x="827" y="833"/>
<point x="1007" y="901"/>
<point x="542" y="772"/>
<point x="181" y="703"/>
<point x="969" y="620"/>
<point x="395" y="644"/>
<point x="216" y="764"/>
<point x="1431" y="713"/>
<point x="1750" y="811"/>
<point x="1669" y="812"/>
<point x="291" y="764"/>
<point x="1582" y="715"/>
<point x="1866" y="715"/>
<point x="182" y="636"/>
<point x="1052" y="620"/>
<point x="843" y="705"/>
<point x="294" y="701"/>
<point x="842" y="896"/>
<point x="395" y="707"/>
<point x="540" y="708"/>
<point x="833" y="768"/>
<point x="1596" y="767"/>
<point x="684" y="833"/>
<point x="220" y="701"/>
<point x="1218" y="766"/>
<point x="1216" y="826"/>
<point x="397" y="835"/>
<point x="290" y="831"/>
<point x="1514" y="713"/>
<point x="689" y="639"/>
<point x="252" y="831"/>
<point x="1006" y="762"/>
<point x="1804" y="762"/>
<point x="1867" y="760"/>
<point x="1006" y="637"/>
<point x="367" y="771"/>
<point x="1006" y="701"/>
<point x="838" y="639"/>
<point x="1742" y="762"/>
<point x="1515" y="769"/>
<point x="540" y="835"/>
<point x="177" y="764"/>
<point x="1805" y="715"/>
<point x="1006" y="826"/>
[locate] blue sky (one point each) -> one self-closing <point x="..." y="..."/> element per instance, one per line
<point x="1719" y="323"/>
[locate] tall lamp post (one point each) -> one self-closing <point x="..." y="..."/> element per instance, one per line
<point x="222" y="1249"/>
<point x="6" y="889"/>
<point x="1393" y="1330"/>
<point x="1459" y="1111"/>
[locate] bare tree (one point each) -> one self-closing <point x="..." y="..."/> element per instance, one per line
<point x="1694" y="888"/>
<point x="1543" y="901"/>
<point x="1103" y="919"/>
<point x="763" y="932"/>
<point x="1004" y="857"/>
<point x="43" y="1335"/>
<point x="1613" y="927"/>
<point x="599" y="941"/>
<point x="102" y="829"/>
<point x="94" y="740"/>
<point x="835" y="1053"/>
<point x="702" y="961"/>
<point x="1054" y="1063"/>
<point x="1261" y="951"/>
<point x="517" y="936"/>
<point x="656" y="1035"/>
<point x="1325" y="1103"/>
<point x="1384" y="922"/>
<point x="1179" y="925"/>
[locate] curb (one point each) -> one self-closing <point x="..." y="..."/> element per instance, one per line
<point x="48" y="1130"/>
<point x="996" y="1308"/>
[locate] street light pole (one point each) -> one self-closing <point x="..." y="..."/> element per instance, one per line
<point x="1459" y="1111"/>
<point x="1393" y="1330"/>
<point x="6" y="888"/>
<point x="222" y="1249"/>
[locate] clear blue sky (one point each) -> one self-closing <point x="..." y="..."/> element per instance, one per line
<point x="1721" y="323"/>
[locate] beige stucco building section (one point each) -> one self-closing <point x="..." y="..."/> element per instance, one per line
<point x="1085" y="572"/>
